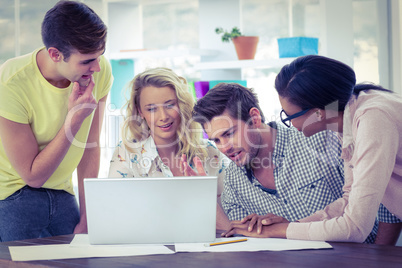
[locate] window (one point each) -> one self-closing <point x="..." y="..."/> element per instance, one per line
<point x="7" y="29"/>
<point x="21" y="26"/>
<point x="366" y="40"/>
<point x="275" y="20"/>
<point x="172" y="26"/>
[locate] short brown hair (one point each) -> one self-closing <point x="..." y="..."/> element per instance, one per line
<point x="72" y="25"/>
<point x="231" y="97"/>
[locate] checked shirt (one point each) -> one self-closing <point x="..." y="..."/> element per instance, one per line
<point x="308" y="176"/>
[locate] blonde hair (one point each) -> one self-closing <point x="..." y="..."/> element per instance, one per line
<point x="189" y="133"/>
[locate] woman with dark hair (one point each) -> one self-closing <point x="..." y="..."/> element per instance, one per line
<point x="318" y="93"/>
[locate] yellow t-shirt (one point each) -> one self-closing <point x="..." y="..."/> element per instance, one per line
<point x="27" y="97"/>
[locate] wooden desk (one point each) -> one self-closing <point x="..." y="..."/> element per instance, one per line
<point x="342" y="255"/>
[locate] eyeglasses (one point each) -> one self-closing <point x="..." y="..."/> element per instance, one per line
<point x="286" y="119"/>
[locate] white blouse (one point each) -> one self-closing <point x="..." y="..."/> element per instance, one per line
<point x="144" y="161"/>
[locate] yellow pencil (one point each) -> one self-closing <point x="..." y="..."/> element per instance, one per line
<point x="225" y="242"/>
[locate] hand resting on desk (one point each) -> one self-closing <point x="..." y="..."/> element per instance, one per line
<point x="267" y="219"/>
<point x="274" y="230"/>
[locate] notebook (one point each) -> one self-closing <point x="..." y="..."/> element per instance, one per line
<point x="151" y="210"/>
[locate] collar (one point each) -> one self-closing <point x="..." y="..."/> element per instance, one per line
<point x="149" y="151"/>
<point x="149" y="148"/>
<point x="252" y="178"/>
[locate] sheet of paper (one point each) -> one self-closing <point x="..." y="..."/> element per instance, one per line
<point x="81" y="250"/>
<point x="252" y="244"/>
<point x="83" y="240"/>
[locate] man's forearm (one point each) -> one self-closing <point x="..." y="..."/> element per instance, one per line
<point x="388" y="233"/>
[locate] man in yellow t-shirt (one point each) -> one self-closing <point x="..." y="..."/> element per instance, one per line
<point x="51" y="108"/>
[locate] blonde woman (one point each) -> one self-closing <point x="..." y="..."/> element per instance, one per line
<point x="158" y="132"/>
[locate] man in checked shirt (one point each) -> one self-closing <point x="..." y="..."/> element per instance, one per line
<point x="275" y="168"/>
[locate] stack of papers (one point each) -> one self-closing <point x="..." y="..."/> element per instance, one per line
<point x="81" y="248"/>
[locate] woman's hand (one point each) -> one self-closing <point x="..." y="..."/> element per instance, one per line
<point x="267" y="219"/>
<point x="277" y="230"/>
<point x="188" y="171"/>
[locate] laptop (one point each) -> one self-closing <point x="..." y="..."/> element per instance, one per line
<point x="151" y="210"/>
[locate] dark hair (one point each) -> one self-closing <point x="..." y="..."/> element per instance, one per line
<point x="235" y="98"/>
<point x="316" y="81"/>
<point x="71" y="25"/>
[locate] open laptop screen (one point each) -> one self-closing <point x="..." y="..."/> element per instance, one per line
<point x="151" y="210"/>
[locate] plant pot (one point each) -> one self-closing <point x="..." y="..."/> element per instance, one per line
<point x="297" y="46"/>
<point x="245" y="46"/>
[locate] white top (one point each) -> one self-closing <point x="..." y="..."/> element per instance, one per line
<point x="144" y="161"/>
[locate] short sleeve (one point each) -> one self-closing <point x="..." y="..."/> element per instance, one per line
<point x="104" y="79"/>
<point x="12" y="107"/>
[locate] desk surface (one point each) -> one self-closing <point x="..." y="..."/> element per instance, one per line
<point x="342" y="255"/>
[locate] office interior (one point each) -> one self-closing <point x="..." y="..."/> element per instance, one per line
<point x="180" y="34"/>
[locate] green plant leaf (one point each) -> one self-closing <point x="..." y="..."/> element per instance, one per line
<point x="227" y="36"/>
<point x="219" y="30"/>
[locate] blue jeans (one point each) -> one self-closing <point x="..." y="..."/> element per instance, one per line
<point x="37" y="212"/>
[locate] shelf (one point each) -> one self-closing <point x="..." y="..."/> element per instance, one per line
<point x="161" y="53"/>
<point x="238" y="64"/>
<point x="210" y="65"/>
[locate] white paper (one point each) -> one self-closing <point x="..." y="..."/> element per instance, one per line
<point x="83" y="240"/>
<point x="79" y="249"/>
<point x="252" y="244"/>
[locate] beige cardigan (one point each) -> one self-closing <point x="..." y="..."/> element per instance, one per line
<point x="372" y="149"/>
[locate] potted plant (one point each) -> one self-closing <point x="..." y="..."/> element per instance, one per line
<point x="246" y="46"/>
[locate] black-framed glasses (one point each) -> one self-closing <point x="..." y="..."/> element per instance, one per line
<point x="286" y="119"/>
